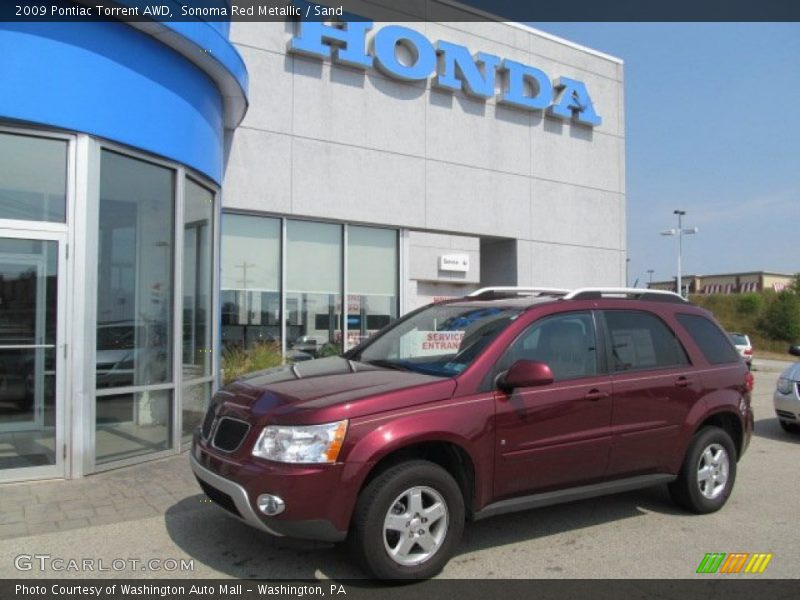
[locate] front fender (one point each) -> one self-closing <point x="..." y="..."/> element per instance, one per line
<point x="467" y="425"/>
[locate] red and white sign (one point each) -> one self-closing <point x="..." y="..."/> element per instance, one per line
<point x="432" y="343"/>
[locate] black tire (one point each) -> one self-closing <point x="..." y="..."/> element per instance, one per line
<point x="789" y="427"/>
<point x="710" y="495"/>
<point x="370" y="544"/>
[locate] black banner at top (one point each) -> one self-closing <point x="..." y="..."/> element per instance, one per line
<point x="400" y="10"/>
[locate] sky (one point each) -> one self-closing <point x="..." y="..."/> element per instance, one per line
<point x="713" y="128"/>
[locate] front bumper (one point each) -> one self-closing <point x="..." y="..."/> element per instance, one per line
<point x="235" y="499"/>
<point x="787" y="406"/>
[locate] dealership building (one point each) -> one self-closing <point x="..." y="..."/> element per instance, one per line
<point x="169" y="190"/>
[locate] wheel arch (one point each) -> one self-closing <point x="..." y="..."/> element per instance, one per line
<point x="728" y="421"/>
<point x="442" y="450"/>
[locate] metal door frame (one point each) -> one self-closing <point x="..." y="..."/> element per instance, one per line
<point x="56" y="470"/>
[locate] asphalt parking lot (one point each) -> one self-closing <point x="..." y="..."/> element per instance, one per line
<point x="634" y="535"/>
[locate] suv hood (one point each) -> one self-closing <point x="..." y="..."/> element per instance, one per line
<point x="329" y="389"/>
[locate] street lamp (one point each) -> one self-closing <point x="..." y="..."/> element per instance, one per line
<point x="627" y="268"/>
<point x="680" y="232"/>
<point x="650" y="273"/>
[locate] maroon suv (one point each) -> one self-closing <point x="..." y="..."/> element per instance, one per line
<point x="502" y="401"/>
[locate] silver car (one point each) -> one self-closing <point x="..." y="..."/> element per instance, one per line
<point x="743" y="345"/>
<point x="787" y="395"/>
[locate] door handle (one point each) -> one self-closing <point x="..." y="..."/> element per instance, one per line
<point x="595" y="395"/>
<point x="682" y="381"/>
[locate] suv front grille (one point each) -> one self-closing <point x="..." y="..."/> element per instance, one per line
<point x="229" y="434"/>
<point x="785" y="414"/>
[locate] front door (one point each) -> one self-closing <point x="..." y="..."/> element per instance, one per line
<point x="557" y="435"/>
<point x="31" y="356"/>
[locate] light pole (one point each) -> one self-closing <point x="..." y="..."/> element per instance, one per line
<point x="650" y="274"/>
<point x="680" y="232"/>
<point x="627" y="268"/>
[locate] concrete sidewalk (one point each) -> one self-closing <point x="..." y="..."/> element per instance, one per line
<point x="126" y="494"/>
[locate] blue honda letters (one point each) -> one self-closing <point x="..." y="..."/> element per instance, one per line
<point x="453" y="67"/>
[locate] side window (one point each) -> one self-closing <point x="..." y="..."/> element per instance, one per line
<point x="640" y="340"/>
<point x="713" y="343"/>
<point x="565" y="342"/>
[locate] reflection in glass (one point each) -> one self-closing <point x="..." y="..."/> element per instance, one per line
<point x="194" y="402"/>
<point x="197" y="245"/>
<point x="313" y="289"/>
<point x="134" y="272"/>
<point x="250" y="296"/>
<point x="372" y="273"/>
<point x="28" y="314"/>
<point x="134" y="307"/>
<point x="33" y="178"/>
<point x="135" y="424"/>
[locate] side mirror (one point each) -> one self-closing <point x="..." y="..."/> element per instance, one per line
<point x="794" y="350"/>
<point x="526" y="373"/>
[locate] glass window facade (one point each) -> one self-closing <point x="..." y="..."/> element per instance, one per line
<point x="136" y="242"/>
<point x="250" y="296"/>
<point x="33" y="178"/>
<point x="313" y="288"/>
<point x="146" y="299"/>
<point x="315" y="300"/>
<point x="138" y="367"/>
<point x="372" y="281"/>
<point x="198" y="276"/>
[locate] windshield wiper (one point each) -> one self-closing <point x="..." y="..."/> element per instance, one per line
<point x="388" y="364"/>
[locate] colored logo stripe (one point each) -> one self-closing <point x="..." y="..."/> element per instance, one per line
<point x="758" y="563"/>
<point x="734" y="562"/>
<point x="711" y="562"/>
<point x="720" y="562"/>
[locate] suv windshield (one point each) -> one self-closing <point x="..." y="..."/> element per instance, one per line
<point x="738" y="339"/>
<point x="440" y="340"/>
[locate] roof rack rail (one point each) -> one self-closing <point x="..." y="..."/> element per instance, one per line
<point x="512" y="289"/>
<point x="637" y="293"/>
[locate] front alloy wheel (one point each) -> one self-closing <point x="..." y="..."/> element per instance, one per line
<point x="415" y="526"/>
<point x="408" y="521"/>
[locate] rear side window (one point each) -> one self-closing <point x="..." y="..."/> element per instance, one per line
<point x="714" y="344"/>
<point x="640" y="340"/>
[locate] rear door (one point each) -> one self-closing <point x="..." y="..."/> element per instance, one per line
<point x="654" y="387"/>
<point x="556" y="435"/>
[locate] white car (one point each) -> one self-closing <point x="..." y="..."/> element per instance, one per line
<point x="743" y="345"/>
<point x="787" y="395"/>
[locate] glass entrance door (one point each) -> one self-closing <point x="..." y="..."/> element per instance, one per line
<point x="31" y="351"/>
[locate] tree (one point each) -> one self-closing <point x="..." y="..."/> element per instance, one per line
<point x="781" y="319"/>
<point x="749" y="304"/>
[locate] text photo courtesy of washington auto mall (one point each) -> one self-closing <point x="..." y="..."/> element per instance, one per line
<point x="369" y="298"/>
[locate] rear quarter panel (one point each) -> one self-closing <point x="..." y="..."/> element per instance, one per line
<point x="723" y="385"/>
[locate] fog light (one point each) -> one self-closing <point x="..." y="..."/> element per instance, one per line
<point x="271" y="505"/>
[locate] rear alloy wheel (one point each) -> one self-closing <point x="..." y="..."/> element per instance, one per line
<point x="708" y="472"/>
<point x="408" y="522"/>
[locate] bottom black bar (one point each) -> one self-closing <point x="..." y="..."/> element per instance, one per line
<point x="727" y="587"/>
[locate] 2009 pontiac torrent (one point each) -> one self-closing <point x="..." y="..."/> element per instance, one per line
<point x="506" y="400"/>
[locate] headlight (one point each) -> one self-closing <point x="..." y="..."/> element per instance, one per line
<point x="784" y="385"/>
<point x="301" y="443"/>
